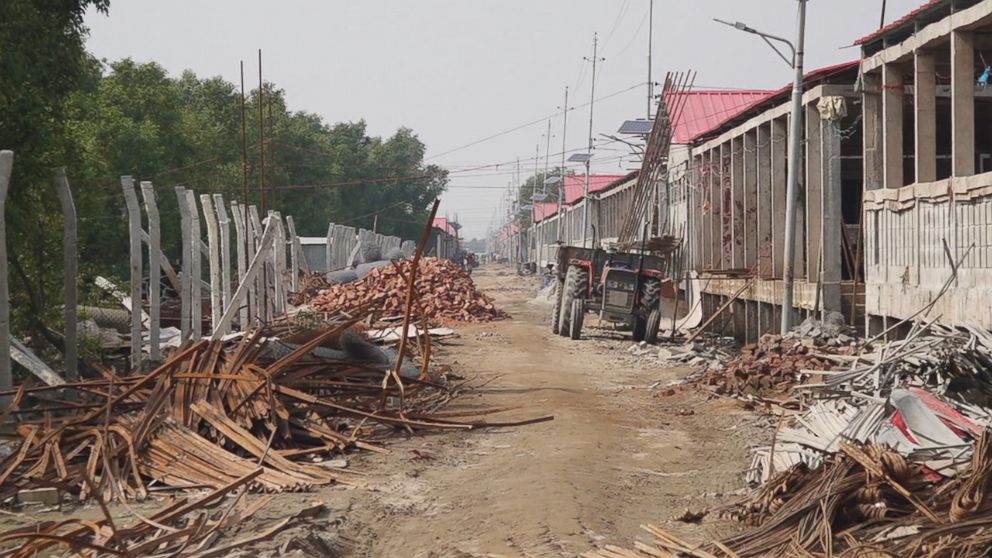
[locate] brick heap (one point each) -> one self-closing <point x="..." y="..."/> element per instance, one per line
<point x="772" y="365"/>
<point x="445" y="291"/>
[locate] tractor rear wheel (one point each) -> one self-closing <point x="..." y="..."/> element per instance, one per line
<point x="578" y="315"/>
<point x="575" y="288"/>
<point x="650" y="298"/>
<point x="652" y="326"/>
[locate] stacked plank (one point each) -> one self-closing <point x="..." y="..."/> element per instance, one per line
<point x="864" y="501"/>
<point x="446" y="293"/>
<point x="216" y="411"/>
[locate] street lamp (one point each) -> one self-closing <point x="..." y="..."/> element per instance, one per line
<point x="795" y="142"/>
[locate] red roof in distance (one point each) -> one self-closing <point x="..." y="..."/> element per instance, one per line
<point x="544" y="210"/>
<point x="443" y="224"/>
<point x="575" y="185"/>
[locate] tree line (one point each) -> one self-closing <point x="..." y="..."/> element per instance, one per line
<point x="61" y="107"/>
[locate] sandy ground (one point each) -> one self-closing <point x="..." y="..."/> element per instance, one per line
<point x="617" y="454"/>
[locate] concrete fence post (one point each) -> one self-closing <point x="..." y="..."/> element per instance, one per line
<point x="70" y="275"/>
<point x="224" y="223"/>
<point x="241" y="234"/>
<point x="154" y="269"/>
<point x="185" y="322"/>
<point x="6" y="378"/>
<point x="134" y="235"/>
<point x="196" y="298"/>
<point x="213" y="246"/>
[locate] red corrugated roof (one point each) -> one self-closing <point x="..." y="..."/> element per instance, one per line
<point x="904" y="20"/>
<point x="575" y="184"/>
<point x="811" y="79"/>
<point x="443" y="224"/>
<point x="544" y="210"/>
<point x="704" y="110"/>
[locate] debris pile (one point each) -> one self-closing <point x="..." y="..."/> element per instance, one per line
<point x="184" y="528"/>
<point x="927" y="395"/>
<point x="217" y="410"/>
<point x="867" y="500"/>
<point x="445" y="292"/>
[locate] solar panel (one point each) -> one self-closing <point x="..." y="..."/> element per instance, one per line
<point x="580" y="158"/>
<point x="553" y="180"/>
<point x="639" y="127"/>
<point x="539" y="196"/>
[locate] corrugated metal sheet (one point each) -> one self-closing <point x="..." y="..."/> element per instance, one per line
<point x="904" y="20"/>
<point x="705" y="110"/>
<point x="699" y="113"/>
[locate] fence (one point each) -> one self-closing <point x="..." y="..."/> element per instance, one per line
<point x="247" y="282"/>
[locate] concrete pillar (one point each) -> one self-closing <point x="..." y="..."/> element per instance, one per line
<point x="725" y="194"/>
<point x="716" y="211"/>
<point x="871" y="105"/>
<point x="737" y="216"/>
<point x="962" y="103"/>
<point x="925" y="103"/>
<point x="800" y="249"/>
<point x="814" y="191"/>
<point x="779" y="160"/>
<point x="750" y="214"/>
<point x="892" y="126"/>
<point x="763" y="167"/>
<point x="831" y="216"/>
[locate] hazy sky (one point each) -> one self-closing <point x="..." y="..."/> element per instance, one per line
<point x="457" y="71"/>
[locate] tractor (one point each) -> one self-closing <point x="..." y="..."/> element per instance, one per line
<point x="620" y="287"/>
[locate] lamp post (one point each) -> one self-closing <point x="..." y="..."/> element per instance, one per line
<point x="795" y="144"/>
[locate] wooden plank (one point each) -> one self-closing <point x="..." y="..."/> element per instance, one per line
<point x="23" y="356"/>
<point x="70" y="275"/>
<point x="134" y="235"/>
<point x="154" y="270"/>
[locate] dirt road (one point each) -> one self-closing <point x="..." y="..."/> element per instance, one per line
<point x="616" y="456"/>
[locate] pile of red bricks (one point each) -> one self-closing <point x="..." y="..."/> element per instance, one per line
<point x="772" y="365"/>
<point x="445" y="292"/>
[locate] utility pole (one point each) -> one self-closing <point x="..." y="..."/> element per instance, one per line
<point x="547" y="155"/>
<point x="561" y="177"/>
<point x="792" y="190"/>
<point x="592" y="103"/>
<point x="650" y="43"/>
<point x="795" y="145"/>
<point x="261" y="139"/>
